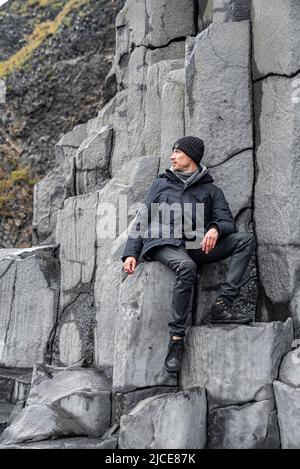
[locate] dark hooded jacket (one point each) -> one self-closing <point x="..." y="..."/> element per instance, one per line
<point x="169" y="188"/>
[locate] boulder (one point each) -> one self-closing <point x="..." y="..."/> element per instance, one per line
<point x="235" y="363"/>
<point x="83" y="393"/>
<point x="171" y="421"/>
<point x="40" y="422"/>
<point x="248" y="426"/>
<point x="123" y="403"/>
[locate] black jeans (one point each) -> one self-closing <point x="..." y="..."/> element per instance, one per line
<point x="185" y="262"/>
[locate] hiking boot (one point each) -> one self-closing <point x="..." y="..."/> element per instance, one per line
<point x="221" y="313"/>
<point x="174" y="356"/>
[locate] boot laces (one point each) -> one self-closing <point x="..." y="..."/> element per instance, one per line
<point x="224" y="302"/>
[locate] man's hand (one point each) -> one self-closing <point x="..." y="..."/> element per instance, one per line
<point x="130" y="264"/>
<point x="209" y="240"/>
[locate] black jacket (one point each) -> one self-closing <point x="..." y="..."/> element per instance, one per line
<point x="169" y="188"/>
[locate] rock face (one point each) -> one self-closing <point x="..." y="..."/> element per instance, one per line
<point x="219" y="94"/>
<point x="216" y="70"/>
<point x="276" y="116"/>
<point x="277" y="53"/>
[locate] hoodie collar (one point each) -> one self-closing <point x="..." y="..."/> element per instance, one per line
<point x="200" y="173"/>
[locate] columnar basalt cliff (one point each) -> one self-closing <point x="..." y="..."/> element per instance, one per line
<point x="82" y="343"/>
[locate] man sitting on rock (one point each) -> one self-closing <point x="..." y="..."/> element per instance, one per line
<point x="187" y="181"/>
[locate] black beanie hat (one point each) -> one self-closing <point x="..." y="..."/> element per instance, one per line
<point x="192" y="146"/>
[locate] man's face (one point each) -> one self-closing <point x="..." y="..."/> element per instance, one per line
<point x="181" y="161"/>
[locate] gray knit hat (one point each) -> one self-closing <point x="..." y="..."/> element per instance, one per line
<point x="192" y="146"/>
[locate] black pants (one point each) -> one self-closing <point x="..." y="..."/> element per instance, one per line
<point x="238" y="246"/>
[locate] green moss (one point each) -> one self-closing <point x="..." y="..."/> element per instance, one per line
<point x="32" y="182"/>
<point x="19" y="174"/>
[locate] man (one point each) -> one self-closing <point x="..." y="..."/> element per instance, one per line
<point x="187" y="181"/>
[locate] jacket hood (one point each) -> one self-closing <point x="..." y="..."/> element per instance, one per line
<point x="203" y="174"/>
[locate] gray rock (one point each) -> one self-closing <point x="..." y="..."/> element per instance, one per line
<point x="85" y="256"/>
<point x="154" y="23"/>
<point x="277" y="189"/>
<point x="235" y="363"/>
<point x="49" y="196"/>
<point x="175" y="50"/>
<point x="288" y="405"/>
<point x="172" y="114"/>
<point x="279" y="288"/>
<point x="6" y="408"/>
<point x="83" y="157"/>
<point x="123" y="403"/>
<point x="231" y="10"/>
<point x="276" y="37"/>
<point x="14" y="384"/>
<point x="218" y="90"/>
<point x="131" y="185"/>
<point x="141" y="329"/>
<point x="92" y="161"/>
<point x="29" y="290"/>
<point x="205" y="13"/>
<point x="249" y="426"/>
<point x="40" y="422"/>
<point x="76" y="235"/>
<point x="137" y="77"/>
<point x="156" y="77"/>
<point x="108" y="281"/>
<point x="171" y="421"/>
<point x="235" y="177"/>
<point x="120" y="153"/>
<point x="68" y="144"/>
<point x="289" y="372"/>
<point x="83" y="393"/>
